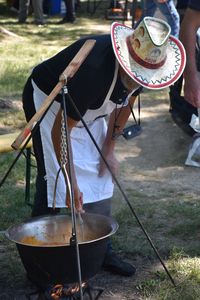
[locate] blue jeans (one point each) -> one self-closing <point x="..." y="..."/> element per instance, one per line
<point x="167" y="9"/>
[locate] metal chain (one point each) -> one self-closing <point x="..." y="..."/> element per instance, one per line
<point x="63" y="143"/>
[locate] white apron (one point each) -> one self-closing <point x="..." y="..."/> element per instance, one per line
<point x="85" y="155"/>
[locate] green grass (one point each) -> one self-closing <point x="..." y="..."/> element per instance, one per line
<point x="184" y="270"/>
<point x="32" y="44"/>
<point x="12" y="197"/>
<point x="165" y="219"/>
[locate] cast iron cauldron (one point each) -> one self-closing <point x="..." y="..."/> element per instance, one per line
<point x="44" y="246"/>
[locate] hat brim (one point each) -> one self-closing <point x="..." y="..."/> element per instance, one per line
<point x="150" y="78"/>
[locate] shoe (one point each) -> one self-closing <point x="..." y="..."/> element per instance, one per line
<point x="66" y="20"/>
<point x="40" y="23"/>
<point x="182" y="123"/>
<point x="114" y="264"/>
<point x="22" y="22"/>
<point x="13" y="9"/>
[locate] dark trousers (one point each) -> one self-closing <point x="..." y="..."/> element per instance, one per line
<point x="70" y="10"/>
<point x="102" y="207"/>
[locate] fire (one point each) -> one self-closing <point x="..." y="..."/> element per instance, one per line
<point x="59" y="291"/>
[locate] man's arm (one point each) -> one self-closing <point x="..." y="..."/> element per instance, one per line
<point x="56" y="132"/>
<point x="189" y="27"/>
<point x="115" y="127"/>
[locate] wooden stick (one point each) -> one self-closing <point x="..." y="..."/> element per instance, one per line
<point x="67" y="74"/>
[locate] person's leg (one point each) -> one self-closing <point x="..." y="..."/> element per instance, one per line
<point x="70" y="12"/>
<point x="23" y="10"/>
<point x="171" y="14"/>
<point x="46" y="7"/>
<point x="102" y="207"/>
<point x="112" y="262"/>
<point x="70" y="5"/>
<point x="38" y="11"/>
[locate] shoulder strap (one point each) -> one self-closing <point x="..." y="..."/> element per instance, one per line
<point x="136" y="121"/>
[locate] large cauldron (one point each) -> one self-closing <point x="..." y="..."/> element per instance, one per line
<point x="47" y="255"/>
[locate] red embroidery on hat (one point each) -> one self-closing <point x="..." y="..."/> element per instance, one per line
<point x="140" y="61"/>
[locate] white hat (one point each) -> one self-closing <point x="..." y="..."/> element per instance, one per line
<point x="148" y="54"/>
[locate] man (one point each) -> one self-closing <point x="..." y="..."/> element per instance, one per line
<point x="106" y="82"/>
<point x="189" y="27"/>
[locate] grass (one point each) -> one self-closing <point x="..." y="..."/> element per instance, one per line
<point x="176" y="219"/>
<point x="186" y="272"/>
<point x="32" y="44"/>
<point x="170" y="218"/>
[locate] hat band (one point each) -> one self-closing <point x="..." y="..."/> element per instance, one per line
<point x="140" y="61"/>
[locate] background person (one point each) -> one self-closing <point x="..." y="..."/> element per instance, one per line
<point x="167" y="9"/>
<point x="189" y="27"/>
<point x="184" y="108"/>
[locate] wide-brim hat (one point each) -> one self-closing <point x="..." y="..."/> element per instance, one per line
<point x="149" y="54"/>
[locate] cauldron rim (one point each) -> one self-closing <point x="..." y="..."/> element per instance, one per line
<point x="9" y="232"/>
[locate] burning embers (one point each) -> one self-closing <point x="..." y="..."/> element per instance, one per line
<point x="66" y="292"/>
<point x="60" y="291"/>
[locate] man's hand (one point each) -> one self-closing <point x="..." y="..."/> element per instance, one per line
<point x="78" y="199"/>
